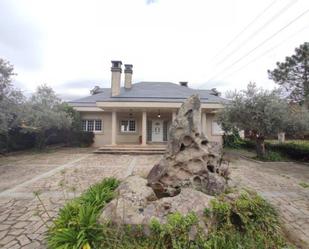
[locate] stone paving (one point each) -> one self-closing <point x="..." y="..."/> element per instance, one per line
<point x="65" y="173"/>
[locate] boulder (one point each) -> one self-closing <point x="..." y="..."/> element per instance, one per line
<point x="136" y="203"/>
<point x="190" y="173"/>
<point x="190" y="160"/>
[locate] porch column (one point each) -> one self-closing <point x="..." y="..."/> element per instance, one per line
<point x="173" y="116"/>
<point x="114" y="127"/>
<point x="144" y="128"/>
<point x="204" y="123"/>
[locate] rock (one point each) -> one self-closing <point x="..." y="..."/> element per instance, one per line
<point x="184" y="181"/>
<point x="137" y="204"/>
<point x="190" y="160"/>
<point x="133" y="196"/>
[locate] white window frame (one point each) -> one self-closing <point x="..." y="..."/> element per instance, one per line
<point x="128" y="126"/>
<point x="216" y="129"/>
<point x="94" y="125"/>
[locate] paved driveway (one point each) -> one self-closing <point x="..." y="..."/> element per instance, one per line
<point x="64" y="173"/>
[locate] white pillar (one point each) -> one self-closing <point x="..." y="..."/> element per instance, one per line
<point x="173" y="116"/>
<point x="144" y="129"/>
<point x="114" y="127"/>
<point x="204" y="125"/>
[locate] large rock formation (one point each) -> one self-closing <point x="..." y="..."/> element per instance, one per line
<point x="189" y="160"/>
<point x="184" y="180"/>
<point x="137" y="204"/>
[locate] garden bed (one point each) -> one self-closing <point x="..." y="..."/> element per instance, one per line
<point x="238" y="217"/>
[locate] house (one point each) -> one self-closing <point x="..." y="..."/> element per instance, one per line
<point x="141" y="113"/>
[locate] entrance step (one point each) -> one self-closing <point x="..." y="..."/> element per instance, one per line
<point x="132" y="150"/>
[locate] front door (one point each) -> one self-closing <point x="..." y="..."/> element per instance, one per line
<point x="157" y="130"/>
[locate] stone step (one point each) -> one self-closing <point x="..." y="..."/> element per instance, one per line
<point x="130" y="152"/>
<point x="132" y="149"/>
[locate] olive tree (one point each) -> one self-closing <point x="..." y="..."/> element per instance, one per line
<point x="11" y="102"/>
<point x="263" y="113"/>
<point x="45" y="114"/>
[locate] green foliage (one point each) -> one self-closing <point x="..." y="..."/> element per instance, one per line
<point x="271" y="156"/>
<point x="293" y="74"/>
<point x="79" y="138"/>
<point x="263" y="113"/>
<point x="244" y="221"/>
<point x="296" y="151"/>
<point x="304" y="184"/>
<point x="76" y="225"/>
<point x="248" y="221"/>
<point x="232" y="140"/>
<point x="11" y="101"/>
<point x="45" y="116"/>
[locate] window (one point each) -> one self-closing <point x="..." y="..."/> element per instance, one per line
<point x="216" y="129"/>
<point x="98" y="125"/>
<point x="128" y="125"/>
<point x="91" y="125"/>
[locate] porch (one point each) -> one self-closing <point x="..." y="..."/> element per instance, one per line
<point x="129" y="126"/>
<point x="141" y="127"/>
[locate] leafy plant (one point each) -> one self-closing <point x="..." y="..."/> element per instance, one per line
<point x="304" y="184"/>
<point x="76" y="225"/>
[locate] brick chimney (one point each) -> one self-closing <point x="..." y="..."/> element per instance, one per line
<point x="116" y="77"/>
<point x="128" y="76"/>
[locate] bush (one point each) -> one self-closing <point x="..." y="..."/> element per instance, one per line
<point x="296" y="151"/>
<point x="232" y="140"/>
<point x="243" y="221"/>
<point x="271" y="156"/>
<point x="76" y="225"/>
<point x="17" y="140"/>
<point x="79" y="138"/>
<point x="246" y="222"/>
<point x="248" y="144"/>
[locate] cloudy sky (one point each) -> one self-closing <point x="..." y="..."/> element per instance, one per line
<point x="68" y="44"/>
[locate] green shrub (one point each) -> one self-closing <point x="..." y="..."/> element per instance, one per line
<point x="248" y="144"/>
<point x="79" y="138"/>
<point x="243" y="221"/>
<point x="76" y="225"/>
<point x="246" y="222"/>
<point x="296" y="151"/>
<point x="232" y="140"/>
<point x="271" y="156"/>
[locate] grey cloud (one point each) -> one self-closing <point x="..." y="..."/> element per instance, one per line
<point x="19" y="39"/>
<point x="151" y="1"/>
<point x="84" y="84"/>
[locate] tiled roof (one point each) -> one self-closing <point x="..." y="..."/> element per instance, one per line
<point x="149" y="92"/>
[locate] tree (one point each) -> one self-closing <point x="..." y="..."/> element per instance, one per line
<point x="263" y="113"/>
<point x="45" y="115"/>
<point x="11" y="101"/>
<point x="293" y="75"/>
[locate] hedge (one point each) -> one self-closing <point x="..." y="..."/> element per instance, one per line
<point x="295" y="151"/>
<point x="299" y="152"/>
<point x="19" y="140"/>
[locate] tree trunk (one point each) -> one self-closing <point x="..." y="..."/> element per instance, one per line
<point x="260" y="147"/>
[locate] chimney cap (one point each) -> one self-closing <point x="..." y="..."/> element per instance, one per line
<point x="128" y="68"/>
<point x="116" y="66"/>
<point x="183" y="83"/>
